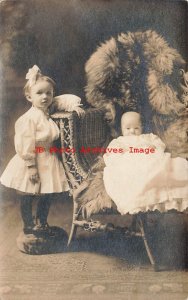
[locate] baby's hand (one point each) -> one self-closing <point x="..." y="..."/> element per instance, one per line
<point x="33" y="174"/>
<point x="79" y="111"/>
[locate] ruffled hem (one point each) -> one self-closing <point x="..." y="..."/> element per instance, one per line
<point x="181" y="205"/>
<point x="51" y="173"/>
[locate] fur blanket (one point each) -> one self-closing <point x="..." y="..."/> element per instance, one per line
<point x="134" y="71"/>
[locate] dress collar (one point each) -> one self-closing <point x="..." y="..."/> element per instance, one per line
<point x="45" y="112"/>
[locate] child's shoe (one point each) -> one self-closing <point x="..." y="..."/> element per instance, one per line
<point x="42" y="229"/>
<point x="28" y="229"/>
<point x="28" y="226"/>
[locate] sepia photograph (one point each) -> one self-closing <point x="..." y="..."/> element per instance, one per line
<point x="93" y="149"/>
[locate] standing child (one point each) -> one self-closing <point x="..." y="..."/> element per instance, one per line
<point x="32" y="173"/>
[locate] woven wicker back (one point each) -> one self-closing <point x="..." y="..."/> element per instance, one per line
<point x="90" y="131"/>
<point x="87" y="131"/>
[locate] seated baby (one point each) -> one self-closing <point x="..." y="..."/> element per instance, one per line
<point x="142" y="176"/>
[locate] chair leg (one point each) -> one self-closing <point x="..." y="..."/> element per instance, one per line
<point x="148" y="250"/>
<point x="73" y="226"/>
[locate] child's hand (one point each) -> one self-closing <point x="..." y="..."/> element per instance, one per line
<point x="33" y="174"/>
<point x="79" y="111"/>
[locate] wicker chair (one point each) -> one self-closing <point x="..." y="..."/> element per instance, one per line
<point x="89" y="130"/>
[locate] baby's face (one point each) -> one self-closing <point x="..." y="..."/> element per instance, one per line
<point x="131" y="124"/>
<point x="41" y="94"/>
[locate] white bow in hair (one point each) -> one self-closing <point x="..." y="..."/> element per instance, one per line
<point x="32" y="74"/>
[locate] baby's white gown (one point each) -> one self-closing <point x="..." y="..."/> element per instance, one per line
<point x="141" y="182"/>
<point x="32" y="129"/>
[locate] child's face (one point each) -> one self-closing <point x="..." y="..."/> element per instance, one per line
<point x="131" y="124"/>
<point x="41" y="94"/>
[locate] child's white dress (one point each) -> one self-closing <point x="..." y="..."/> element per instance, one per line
<point x="140" y="182"/>
<point x="32" y="129"/>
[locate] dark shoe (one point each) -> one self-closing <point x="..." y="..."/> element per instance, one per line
<point x="28" y="230"/>
<point x="42" y="230"/>
<point x="41" y="227"/>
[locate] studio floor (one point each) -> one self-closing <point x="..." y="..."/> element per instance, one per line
<point x="94" y="267"/>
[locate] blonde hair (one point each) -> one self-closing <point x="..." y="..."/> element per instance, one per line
<point x="39" y="77"/>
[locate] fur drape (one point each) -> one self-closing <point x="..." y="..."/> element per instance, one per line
<point x="133" y="72"/>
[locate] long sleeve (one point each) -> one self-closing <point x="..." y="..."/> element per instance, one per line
<point x="24" y="140"/>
